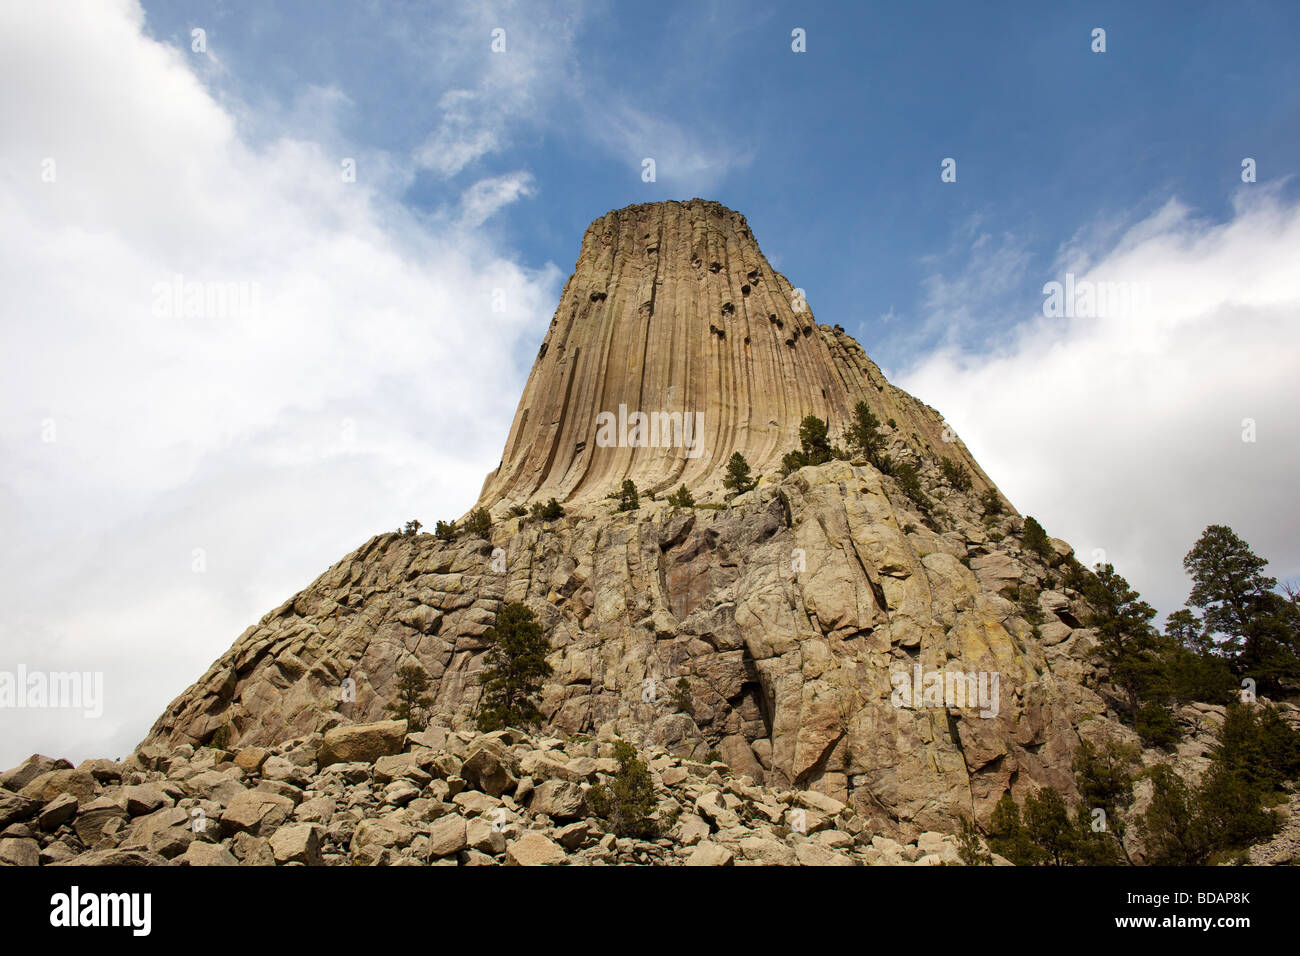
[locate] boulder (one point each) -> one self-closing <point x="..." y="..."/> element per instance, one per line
<point x="708" y="853"/>
<point x="256" y="812"/>
<point x="363" y="743"/>
<point x="532" y="848"/>
<point x="297" y="843"/>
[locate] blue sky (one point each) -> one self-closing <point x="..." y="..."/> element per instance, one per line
<point x="833" y="154"/>
<point x="170" y="477"/>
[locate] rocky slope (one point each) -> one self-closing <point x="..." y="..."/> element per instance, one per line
<point x="374" y="795"/>
<point x="788" y="614"/>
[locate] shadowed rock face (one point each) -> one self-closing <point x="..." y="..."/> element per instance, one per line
<point x="672" y="310"/>
<point x="791" y="612"/>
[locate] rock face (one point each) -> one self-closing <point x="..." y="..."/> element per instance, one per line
<point x="672" y="310"/>
<point x="790" y="617"/>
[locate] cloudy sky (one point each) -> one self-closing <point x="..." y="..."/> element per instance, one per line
<point x="389" y="209"/>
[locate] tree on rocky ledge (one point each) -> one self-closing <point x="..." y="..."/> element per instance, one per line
<point x="516" y="667"/>
<point x="737" y="478"/>
<point x="411" y="703"/>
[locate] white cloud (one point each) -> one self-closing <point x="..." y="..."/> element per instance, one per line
<point x="682" y="157"/>
<point x="1124" y="433"/>
<point x="370" y="385"/>
<point x="486" y="196"/>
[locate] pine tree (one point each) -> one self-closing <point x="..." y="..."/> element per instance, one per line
<point x="737" y="477"/>
<point x="516" y="668"/>
<point x="1007" y="834"/>
<point x="627" y="497"/>
<point x="682" y="498"/>
<point x="411" y="703"/>
<point x="1257" y="629"/>
<point x="1036" y="539"/>
<point x="1126" y="638"/>
<point x="814" y="441"/>
<point x="627" y="802"/>
<point x="863" y="434"/>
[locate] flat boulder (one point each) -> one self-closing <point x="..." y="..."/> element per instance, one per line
<point x="363" y="743"/>
<point x="256" y="811"/>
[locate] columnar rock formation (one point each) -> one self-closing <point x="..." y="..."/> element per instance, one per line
<point x="672" y="310"/>
<point x="792" y="612"/>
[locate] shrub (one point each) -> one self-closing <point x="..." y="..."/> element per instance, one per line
<point x="792" y="461"/>
<point x="551" y="511"/>
<point x="1156" y="726"/>
<point x="627" y="802"/>
<point x="991" y="501"/>
<point x="517" y="511"/>
<point x="516" y="668"/>
<point x="681" y="699"/>
<point x="446" y="531"/>
<point x="479" y="524"/>
<point x="682" y="498"/>
<point x="412" y="528"/>
<point x="1027" y="601"/>
<point x="955" y="474"/>
<point x="910" y="484"/>
<point x="969" y="846"/>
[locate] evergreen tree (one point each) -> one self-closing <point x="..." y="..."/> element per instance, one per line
<point x="1048" y="825"/>
<point x="863" y="435"/>
<point x="516" y="668"/>
<point x="970" y="848"/>
<point x="1257" y="629"/>
<point x="737" y="477"/>
<point x="1121" y="620"/>
<point x="627" y="497"/>
<point x="1036" y="540"/>
<point x="909" y="483"/>
<point x="1008" y="836"/>
<point x="445" y="530"/>
<point x="1172" y="832"/>
<point x="626" y="804"/>
<point x="814" y="441"/>
<point x="682" y="498"/>
<point x="411" y="703"/>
